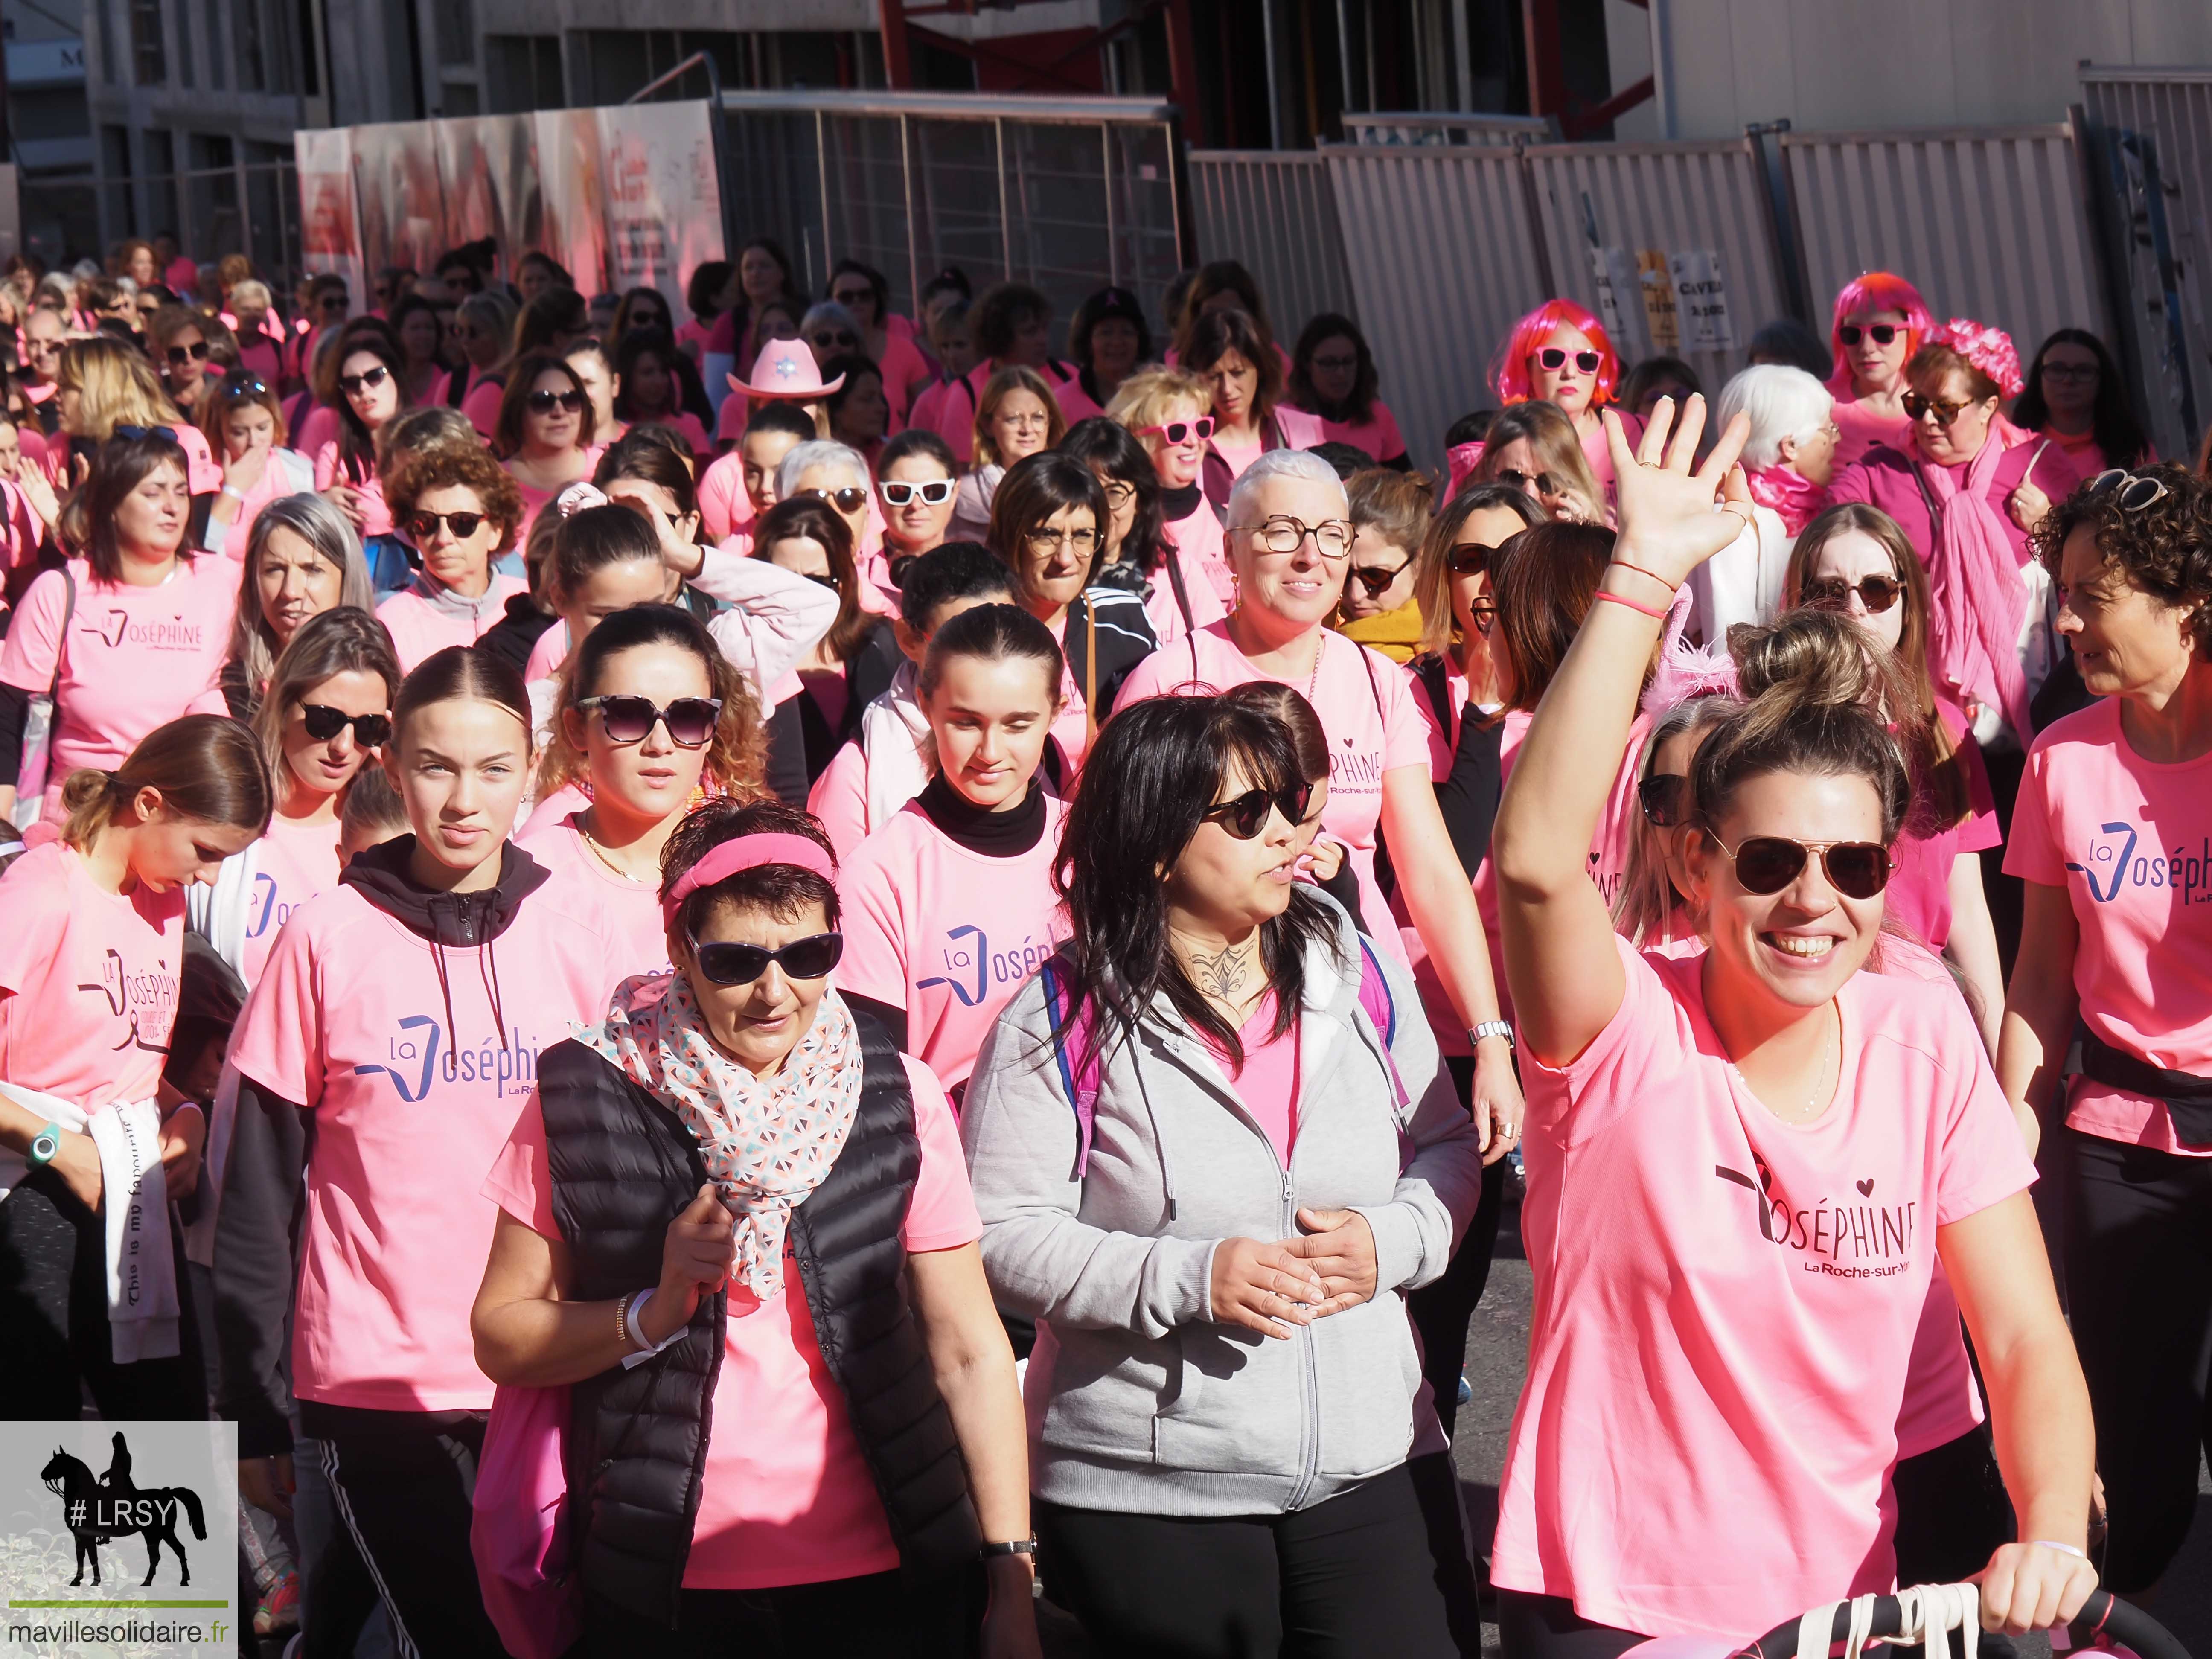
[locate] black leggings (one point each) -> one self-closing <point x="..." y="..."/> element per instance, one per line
<point x="881" y="1616"/>
<point x="1531" y="1626"/>
<point x="1441" y="1309"/>
<point x="1952" y="1514"/>
<point x="2139" y="1282"/>
<point x="1348" y="1578"/>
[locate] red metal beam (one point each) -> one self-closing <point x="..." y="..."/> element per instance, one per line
<point x="1182" y="70"/>
<point x="1547" y="69"/>
<point x="1578" y="122"/>
<point x="898" y="65"/>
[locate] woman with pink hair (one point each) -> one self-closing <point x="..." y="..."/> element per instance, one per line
<point x="1879" y="321"/>
<point x="1561" y="352"/>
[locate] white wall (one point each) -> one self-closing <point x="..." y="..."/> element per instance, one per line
<point x="1846" y="65"/>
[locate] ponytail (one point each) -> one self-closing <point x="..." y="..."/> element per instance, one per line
<point x="206" y="766"/>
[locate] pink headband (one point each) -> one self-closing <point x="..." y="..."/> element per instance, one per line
<point x="747" y="853"/>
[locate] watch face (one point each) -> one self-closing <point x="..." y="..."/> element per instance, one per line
<point x="44" y="1145"/>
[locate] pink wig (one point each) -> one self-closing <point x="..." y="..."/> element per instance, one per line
<point x="1989" y="349"/>
<point x="1509" y="372"/>
<point x="1872" y="291"/>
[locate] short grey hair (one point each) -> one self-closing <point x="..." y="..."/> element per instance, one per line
<point x="1302" y="465"/>
<point x="818" y="451"/>
<point x="1783" y="403"/>
<point x="837" y="315"/>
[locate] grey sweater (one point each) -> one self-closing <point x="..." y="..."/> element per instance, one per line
<point x="1137" y="1400"/>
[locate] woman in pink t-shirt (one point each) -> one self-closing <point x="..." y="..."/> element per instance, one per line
<point x="366" y="391"/>
<point x="649" y="719"/>
<point x="462" y="511"/>
<point x="851" y="1446"/>
<point x="125" y="637"/>
<point x="1164" y="409"/>
<point x="915" y="487"/>
<point x="302" y="558"/>
<point x="654" y="381"/>
<point x="885" y="339"/>
<point x="103" y="384"/>
<point x="1332" y="376"/>
<point x="2077" y="398"/>
<point x="91" y="953"/>
<point x="1139" y="557"/>
<point x="2115" y="957"/>
<point x="1878" y="322"/>
<point x="1379" y="741"/>
<point x="1232" y="355"/>
<point x="394" y="1035"/>
<point x="1743" y="1165"/>
<point x="951" y="903"/>
<point x="544" y="433"/>
<point x="245" y="422"/>
<point x="736" y="488"/>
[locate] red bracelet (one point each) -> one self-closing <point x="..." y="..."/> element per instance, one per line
<point x="1641" y="571"/>
<point x="1658" y="616"/>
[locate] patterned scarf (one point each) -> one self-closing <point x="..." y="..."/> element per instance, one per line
<point x="766" y="1141"/>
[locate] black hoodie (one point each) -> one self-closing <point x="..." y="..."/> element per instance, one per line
<point x="258" y="1230"/>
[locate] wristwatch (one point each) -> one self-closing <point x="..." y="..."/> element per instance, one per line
<point x="1011" y="1546"/>
<point x="46" y="1144"/>
<point x="1491" y="1028"/>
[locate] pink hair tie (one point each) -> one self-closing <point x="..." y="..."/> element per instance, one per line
<point x="577" y="497"/>
<point x="747" y="853"/>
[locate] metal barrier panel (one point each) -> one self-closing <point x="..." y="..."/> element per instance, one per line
<point x="1448" y="127"/>
<point x="1274" y="210"/>
<point x="1444" y="260"/>
<point x="1673" y="245"/>
<point x="2155" y="163"/>
<point x="1987" y="223"/>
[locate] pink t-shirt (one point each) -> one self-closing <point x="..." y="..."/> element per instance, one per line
<point x="1377" y="435"/>
<point x="136" y="657"/>
<point x="947" y="934"/>
<point x="634" y="907"/>
<point x="787" y="1498"/>
<point x="547" y="655"/>
<point x="375" y="511"/>
<point x="420" y="627"/>
<point x="90" y="977"/>
<point x="903" y="365"/>
<point x="1368" y="710"/>
<point x="1919" y="892"/>
<point x="1267" y="1082"/>
<point x="723" y="504"/>
<point x="2125" y="837"/>
<point x="1204" y="553"/>
<point x="1163" y="609"/>
<point x="350" y="1020"/>
<point x="1862" y="429"/>
<point x="292" y="864"/>
<point x="1727" y="1306"/>
<point x="320" y="428"/>
<point x="278" y="480"/>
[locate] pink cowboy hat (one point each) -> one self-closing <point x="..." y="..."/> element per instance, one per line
<point x="786" y="368"/>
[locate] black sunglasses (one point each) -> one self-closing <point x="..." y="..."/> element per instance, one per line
<point x="1471" y="558"/>
<point x="544" y="403"/>
<point x="1877" y="593"/>
<point x="726" y="963"/>
<point x="1243" y="816"/>
<point x="161" y="434"/>
<point x="181" y="355"/>
<point x="1665" y="797"/>
<point x="1767" y="863"/>
<point x="690" y="720"/>
<point x="367" y="378"/>
<point x="1884" y="333"/>
<point x="324" y="722"/>
<point x="834" y="339"/>
<point x="1555" y="358"/>
<point x="850" y="498"/>
<point x="424" y="524"/>
<point x="849" y="297"/>
<point x="1541" y="484"/>
<point x="1377" y="582"/>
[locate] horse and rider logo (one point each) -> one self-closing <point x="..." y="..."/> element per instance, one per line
<point x="98" y="1509"/>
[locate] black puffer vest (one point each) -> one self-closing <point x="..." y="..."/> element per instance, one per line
<point x="624" y="1165"/>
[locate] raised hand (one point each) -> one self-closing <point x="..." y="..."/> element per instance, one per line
<point x="1667" y="525"/>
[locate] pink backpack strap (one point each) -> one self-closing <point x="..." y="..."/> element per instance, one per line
<point x="1375" y="998"/>
<point x="1076" y="1049"/>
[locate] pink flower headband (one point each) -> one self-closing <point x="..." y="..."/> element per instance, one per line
<point x="1989" y="349"/>
<point x="746" y="852"/>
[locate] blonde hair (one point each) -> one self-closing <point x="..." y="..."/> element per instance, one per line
<point x="207" y="766"/>
<point x="117" y="384"/>
<point x="1150" y="395"/>
<point x="1003" y="385"/>
<point x="1553" y="442"/>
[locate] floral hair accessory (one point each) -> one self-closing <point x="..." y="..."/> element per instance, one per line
<point x="1989" y="349"/>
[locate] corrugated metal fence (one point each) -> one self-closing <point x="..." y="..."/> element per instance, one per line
<point x="1276" y="210"/>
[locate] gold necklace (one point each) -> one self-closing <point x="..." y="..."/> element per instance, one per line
<point x="607" y="858"/>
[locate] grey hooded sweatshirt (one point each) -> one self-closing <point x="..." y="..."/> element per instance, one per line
<point x="1137" y="1400"/>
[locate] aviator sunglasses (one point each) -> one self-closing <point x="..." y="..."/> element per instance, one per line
<point x="726" y="963"/>
<point x="1244" y="816"/>
<point x="849" y="499"/>
<point x="690" y="720"/>
<point x="1766" y="864"/>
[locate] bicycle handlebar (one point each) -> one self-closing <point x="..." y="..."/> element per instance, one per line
<point x="2103" y="1619"/>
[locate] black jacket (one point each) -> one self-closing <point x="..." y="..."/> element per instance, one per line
<point x="622" y="1165"/>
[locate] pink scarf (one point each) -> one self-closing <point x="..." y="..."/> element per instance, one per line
<point x="1794" y="497"/>
<point x="1976" y="594"/>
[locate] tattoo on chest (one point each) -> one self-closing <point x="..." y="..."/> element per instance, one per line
<point x="1228" y="974"/>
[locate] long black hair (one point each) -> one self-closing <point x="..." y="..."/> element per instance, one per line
<point x="1102" y="443"/>
<point x="2117" y="431"/>
<point x="1147" y="785"/>
<point x="1299" y="389"/>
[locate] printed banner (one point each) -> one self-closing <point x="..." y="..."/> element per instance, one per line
<point x="663" y="204"/>
<point x="329" y="229"/>
<point x="119" y="1538"/>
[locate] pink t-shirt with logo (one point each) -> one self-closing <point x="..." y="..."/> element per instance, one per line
<point x="350" y="1021"/>
<point x="1368" y="712"/>
<point x="91" y="978"/>
<point x="419" y="627"/>
<point x="634" y="907"/>
<point x="1267" y="1082"/>
<point x="136" y="658"/>
<point x="2126" y="838"/>
<point x="1919" y="891"/>
<point x="947" y="933"/>
<point x="787" y="1498"/>
<point x="292" y="863"/>
<point x="1727" y="1306"/>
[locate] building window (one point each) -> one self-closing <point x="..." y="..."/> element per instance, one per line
<point x="149" y="61"/>
<point x="246" y="36"/>
<point x="110" y="65"/>
<point x="457" y="33"/>
<point x="522" y="72"/>
<point x="218" y="71"/>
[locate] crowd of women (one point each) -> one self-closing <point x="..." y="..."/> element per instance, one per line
<point x="761" y="1041"/>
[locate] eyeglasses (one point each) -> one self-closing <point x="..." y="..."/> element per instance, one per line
<point x="2137" y="490"/>
<point x="462" y="525"/>
<point x="324" y="722"/>
<point x="1945" y="412"/>
<point x="1665" y="797"/>
<point x="812" y="957"/>
<point x="1118" y="495"/>
<point x="1045" y="539"/>
<point x="2069" y="371"/>
<point x="1283" y="534"/>
<point x="1377" y="581"/>
<point x="331" y="303"/>
<point x="1178" y="432"/>
<point x="690" y="720"/>
<point x="1766" y="864"/>
<point x="1877" y="593"/>
<point x="1540" y="484"/>
<point x="1243" y="816"/>
<point x="1553" y="358"/>
<point x="934" y="492"/>
<point x="1471" y="559"/>
<point x="1850" y="333"/>
<point x="850" y="297"/>
<point x="181" y="355"/>
<point x="544" y="403"/>
<point x="835" y="340"/>
<point x="237" y="390"/>
<point x="1335" y="365"/>
<point x="850" y="498"/>
<point x="354" y="385"/>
